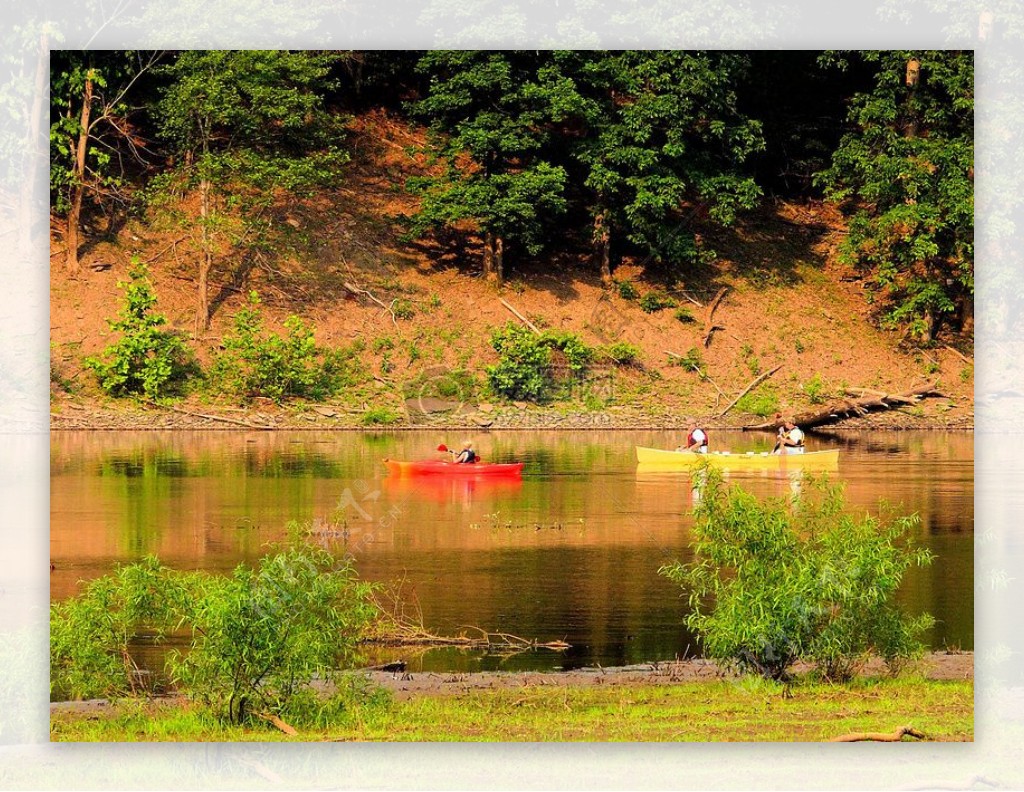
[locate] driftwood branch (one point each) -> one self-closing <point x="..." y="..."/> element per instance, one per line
<point x="960" y="355"/>
<point x="896" y="736"/>
<point x="847" y="408"/>
<point x="278" y="723"/>
<point x="208" y="417"/>
<point x="709" y="324"/>
<point x="757" y="381"/>
<point x="525" y="321"/>
<point x="357" y="290"/>
<point x="701" y="374"/>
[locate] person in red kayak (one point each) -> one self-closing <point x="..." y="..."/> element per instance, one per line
<point x="467" y="456"/>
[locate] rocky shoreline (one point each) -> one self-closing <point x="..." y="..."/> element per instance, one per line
<point x="85" y="415"/>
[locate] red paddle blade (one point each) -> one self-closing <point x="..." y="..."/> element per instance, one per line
<point x="442" y="447"/>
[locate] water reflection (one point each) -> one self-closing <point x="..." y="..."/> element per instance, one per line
<point x="569" y="552"/>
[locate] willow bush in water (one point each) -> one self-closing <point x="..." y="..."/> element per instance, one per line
<point x="258" y="637"/>
<point x="778" y="581"/>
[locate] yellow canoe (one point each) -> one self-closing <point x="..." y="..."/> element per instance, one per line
<point x="660" y="459"/>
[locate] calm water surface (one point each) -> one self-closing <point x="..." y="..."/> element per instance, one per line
<point x="571" y="552"/>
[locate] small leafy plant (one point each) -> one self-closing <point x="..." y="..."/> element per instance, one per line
<point x="147" y="360"/>
<point x="256" y="362"/>
<point x="627" y="291"/>
<point x="380" y="416"/>
<point x="775" y="582"/>
<point x="622" y="353"/>
<point x="762" y="401"/>
<point x="814" y="389"/>
<point x="653" y="302"/>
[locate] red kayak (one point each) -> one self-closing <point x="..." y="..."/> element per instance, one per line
<point x="436" y="467"/>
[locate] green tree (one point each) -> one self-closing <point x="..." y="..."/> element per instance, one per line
<point x="905" y="174"/>
<point x="654" y="135"/>
<point x="147" y="359"/>
<point x="776" y="582"/>
<point x="92" y="133"/>
<point x="489" y="117"/>
<point x="248" y="128"/>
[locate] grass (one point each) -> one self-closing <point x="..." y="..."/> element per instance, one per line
<point x="717" y="711"/>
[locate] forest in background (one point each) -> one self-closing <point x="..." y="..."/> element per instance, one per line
<point x="278" y="194"/>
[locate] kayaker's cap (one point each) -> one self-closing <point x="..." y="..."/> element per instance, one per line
<point x="467" y="443"/>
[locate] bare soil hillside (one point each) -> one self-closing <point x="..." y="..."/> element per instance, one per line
<point x="423" y="310"/>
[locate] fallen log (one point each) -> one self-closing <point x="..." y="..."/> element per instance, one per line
<point x="847" y="408"/>
<point x="525" y="321"/>
<point x="896" y="736"/>
<point x="278" y="723"/>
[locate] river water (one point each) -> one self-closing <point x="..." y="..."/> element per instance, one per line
<point x="571" y="552"/>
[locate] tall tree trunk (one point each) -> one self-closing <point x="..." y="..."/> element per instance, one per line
<point x="203" y="305"/>
<point x="912" y="78"/>
<point x="494" y="257"/>
<point x="602" y="246"/>
<point x="499" y="258"/>
<point x="78" y="180"/>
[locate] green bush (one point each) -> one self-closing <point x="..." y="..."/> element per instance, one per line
<point x="684" y="316"/>
<point x="656" y="301"/>
<point x="526" y="361"/>
<point x="814" y="389"/>
<point x="380" y="416"/>
<point x="256" y="362"/>
<point x="627" y="291"/>
<point x="776" y="582"/>
<point x="147" y="359"/>
<point x="692" y="361"/>
<point x="762" y="401"/>
<point x="622" y="353"/>
<point x="257" y="638"/>
<point x="403" y="309"/>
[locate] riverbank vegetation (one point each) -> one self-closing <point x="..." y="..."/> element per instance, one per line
<point x="394" y="210"/>
<point x="749" y="710"/>
<point x="782" y="581"/>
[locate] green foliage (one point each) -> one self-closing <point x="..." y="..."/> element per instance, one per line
<point x="380" y="416"/>
<point x="905" y="174"/>
<point x="622" y="353"/>
<point x="627" y="291"/>
<point x="261" y="635"/>
<point x="776" y="582"/>
<point x="258" y="637"/>
<point x="523" y="369"/>
<point x="656" y="301"/>
<point x="693" y="360"/>
<point x="526" y="365"/>
<point x="683" y="315"/>
<point x="814" y="389"/>
<point x="256" y="362"/>
<point x="762" y="401"/>
<point x="90" y="634"/>
<point x="403" y="309"/>
<point x="147" y="360"/>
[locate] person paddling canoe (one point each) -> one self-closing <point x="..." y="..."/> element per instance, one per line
<point x="696" y="438"/>
<point x="791" y="437"/>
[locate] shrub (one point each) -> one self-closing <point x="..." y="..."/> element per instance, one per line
<point x="656" y="301"/>
<point x="258" y="638"/>
<point x="627" y="291"/>
<point x="525" y="368"/>
<point x="147" y="360"/>
<point x="775" y="582"/>
<point x="762" y="401"/>
<point x="684" y="316"/>
<point x="380" y="416"/>
<point x="814" y="389"/>
<point x="403" y="309"/>
<point x="256" y="362"/>
<point x="622" y="353"/>
<point x="692" y="361"/>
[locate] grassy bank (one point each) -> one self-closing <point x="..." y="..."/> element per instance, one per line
<point x="721" y="711"/>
